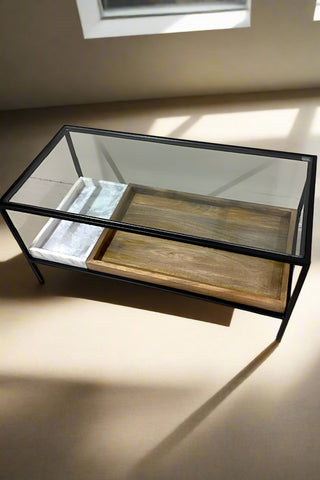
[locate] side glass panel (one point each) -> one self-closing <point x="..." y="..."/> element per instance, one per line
<point x="50" y="182"/>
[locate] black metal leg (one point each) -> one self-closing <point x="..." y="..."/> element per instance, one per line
<point x="282" y="328"/>
<point x="36" y="271"/>
<point x="23" y="247"/>
<point x="73" y="155"/>
<point x="292" y="302"/>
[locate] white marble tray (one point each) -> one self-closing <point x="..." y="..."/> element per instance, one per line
<point x="70" y="242"/>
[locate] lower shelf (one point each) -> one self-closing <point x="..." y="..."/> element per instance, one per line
<point x="229" y="276"/>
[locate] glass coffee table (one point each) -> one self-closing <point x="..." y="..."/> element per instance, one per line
<point x="227" y="224"/>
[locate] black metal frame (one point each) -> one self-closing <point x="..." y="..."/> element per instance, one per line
<point x="306" y="202"/>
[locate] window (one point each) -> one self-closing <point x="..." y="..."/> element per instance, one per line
<point x="115" y="18"/>
<point x="126" y="8"/>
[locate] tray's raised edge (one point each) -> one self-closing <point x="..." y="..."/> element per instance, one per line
<point x="207" y="199"/>
<point x="108" y="233"/>
<point x="188" y="285"/>
<point x="46" y="254"/>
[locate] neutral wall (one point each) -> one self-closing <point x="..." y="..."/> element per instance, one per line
<point x="45" y="60"/>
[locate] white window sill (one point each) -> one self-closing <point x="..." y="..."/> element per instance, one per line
<point x="94" y="26"/>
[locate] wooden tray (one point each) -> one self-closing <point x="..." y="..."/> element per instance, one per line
<point x="225" y="275"/>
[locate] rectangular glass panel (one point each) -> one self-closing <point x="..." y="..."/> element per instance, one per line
<point x="51" y="181"/>
<point x="241" y="198"/>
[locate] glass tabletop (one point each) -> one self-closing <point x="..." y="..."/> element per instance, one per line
<point x="245" y="197"/>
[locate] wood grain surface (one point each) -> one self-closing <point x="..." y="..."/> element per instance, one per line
<point x="226" y="275"/>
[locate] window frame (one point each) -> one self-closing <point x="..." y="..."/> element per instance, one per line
<point x="96" y="25"/>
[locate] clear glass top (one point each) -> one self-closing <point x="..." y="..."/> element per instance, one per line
<point x="240" y="197"/>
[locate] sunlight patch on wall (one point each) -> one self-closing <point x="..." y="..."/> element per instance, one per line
<point x="315" y="126"/>
<point x="234" y="127"/>
<point x="166" y="125"/>
<point x="213" y="21"/>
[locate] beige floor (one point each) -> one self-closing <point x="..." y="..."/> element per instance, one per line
<point x="108" y="381"/>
